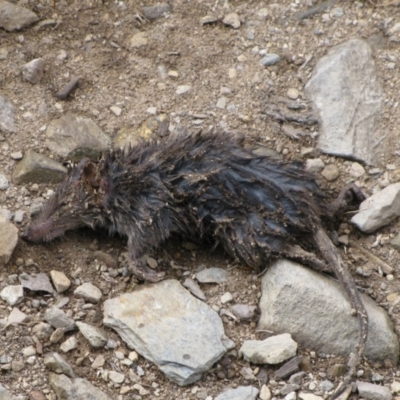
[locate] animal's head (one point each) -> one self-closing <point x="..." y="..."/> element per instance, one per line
<point x="73" y="205"/>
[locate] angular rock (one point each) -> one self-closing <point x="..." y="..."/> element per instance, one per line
<point x="70" y="344"/>
<point x="270" y="59"/>
<point x="33" y="70"/>
<point x="167" y="325"/>
<point x="181" y="89"/>
<point x="8" y="240"/>
<point x="3" y="182"/>
<point x="194" y="288"/>
<point x="17" y="317"/>
<point x="310" y="396"/>
<point x="7" y="111"/>
<point x="88" y="292"/>
<point x="116" y="377"/>
<point x="58" y="319"/>
<point x="272" y="350"/>
<point x="155" y="12"/>
<point x="378" y="210"/>
<point x="348" y="97"/>
<point x="75" y="137"/>
<point x="369" y="391"/>
<point x="37" y="168"/>
<point x="5" y="394"/>
<point x="12" y="294"/>
<point x="232" y="20"/>
<point x="244" y="311"/>
<point x="300" y="301"/>
<point x="240" y="393"/>
<point x="95" y="336"/>
<point x="56" y="363"/>
<point x="60" y="281"/>
<point x="37" y="283"/>
<point x="289" y="368"/>
<point x="76" y="389"/>
<point x="14" y="18"/>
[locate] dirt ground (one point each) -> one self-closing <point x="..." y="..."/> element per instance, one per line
<point x="92" y="39"/>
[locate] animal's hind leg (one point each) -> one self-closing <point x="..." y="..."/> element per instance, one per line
<point x="299" y="254"/>
<point x="351" y="193"/>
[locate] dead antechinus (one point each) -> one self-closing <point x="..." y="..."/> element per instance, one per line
<point x="209" y="186"/>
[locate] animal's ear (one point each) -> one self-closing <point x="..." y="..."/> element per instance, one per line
<point x="89" y="173"/>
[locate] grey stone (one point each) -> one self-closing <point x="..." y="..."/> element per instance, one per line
<point x="369" y="391"/>
<point x="240" y="393"/>
<point x="58" y="319"/>
<point x="5" y="394"/>
<point x="167" y="325"/>
<point x="272" y="350"/>
<point x="37" y="283"/>
<point x="356" y="170"/>
<point x="232" y="20"/>
<point x="8" y="239"/>
<point x="194" y="288"/>
<point x="299" y="301"/>
<point x="7" y="119"/>
<point x="60" y="281"/>
<point x="95" y="336"/>
<point x="75" y="137"/>
<point x="37" y="168"/>
<point x="244" y="311"/>
<point x="348" y="97"/>
<point x="212" y="275"/>
<point x="270" y="59"/>
<point x="19" y="216"/>
<point x="326" y="386"/>
<point x="76" y="389"/>
<point x="181" y="89"/>
<point x="157" y="11"/>
<point x="88" y="292"/>
<point x="330" y="172"/>
<point x="116" y="377"/>
<point x="17" y="317"/>
<point x="12" y="294"/>
<point x="208" y="19"/>
<point x="70" y="344"/>
<point x="33" y="70"/>
<point x="13" y="17"/>
<point x="3" y="182"/>
<point x="56" y="363"/>
<point x="314" y="165"/>
<point x="378" y="210"/>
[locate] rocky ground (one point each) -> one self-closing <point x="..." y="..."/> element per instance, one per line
<point x="140" y="70"/>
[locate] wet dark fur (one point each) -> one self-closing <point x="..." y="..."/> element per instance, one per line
<point x="201" y="185"/>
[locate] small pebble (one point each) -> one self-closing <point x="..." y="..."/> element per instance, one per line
<point x="293" y="94"/>
<point x="232" y="20"/>
<point x="226" y="298"/>
<point x="270" y="59"/>
<point x="181" y="89"/>
<point x="330" y="172"/>
<point x="116" y="110"/>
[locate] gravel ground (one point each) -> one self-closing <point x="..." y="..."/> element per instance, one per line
<point x="201" y="76"/>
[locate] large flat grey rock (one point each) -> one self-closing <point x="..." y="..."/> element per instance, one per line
<point x="164" y="323"/>
<point x="315" y="310"/>
<point x="346" y="94"/>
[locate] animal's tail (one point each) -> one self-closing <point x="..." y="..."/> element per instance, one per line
<point x="332" y="256"/>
